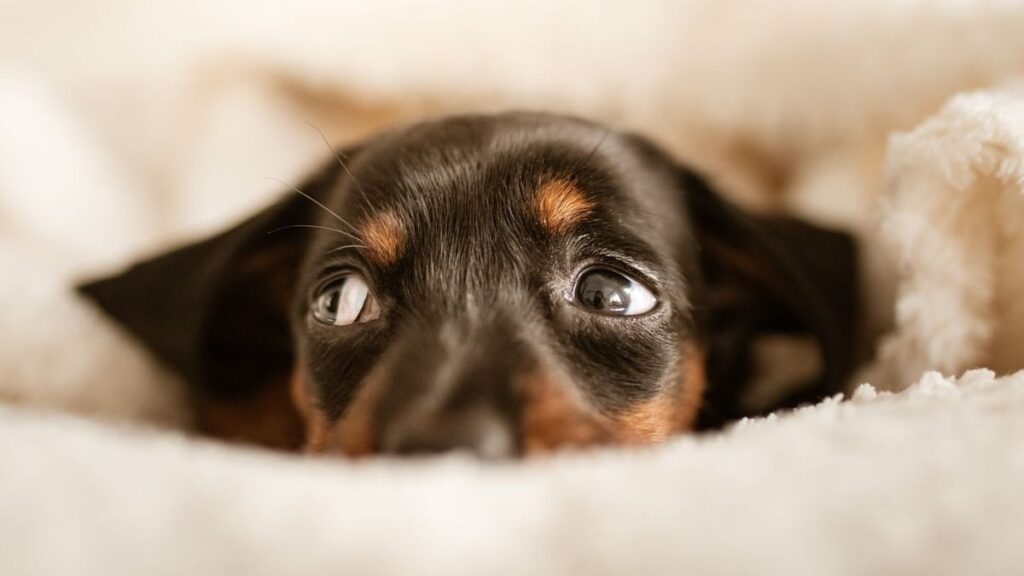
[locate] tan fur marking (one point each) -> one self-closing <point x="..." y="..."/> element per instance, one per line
<point x="560" y="205"/>
<point x="384" y="238"/>
<point x="553" y="419"/>
<point x="694" y="383"/>
<point x="553" y="416"/>
<point x="355" y="434"/>
<point x="651" y="421"/>
<point x="313" y="419"/>
<point x="674" y="410"/>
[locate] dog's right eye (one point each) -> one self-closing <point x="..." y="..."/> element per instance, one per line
<point x="344" y="301"/>
<point x="608" y="292"/>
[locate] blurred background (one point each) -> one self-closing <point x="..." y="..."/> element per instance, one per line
<point x="126" y="125"/>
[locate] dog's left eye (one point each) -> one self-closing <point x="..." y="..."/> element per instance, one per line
<point x="345" y="301"/>
<point x="609" y="292"/>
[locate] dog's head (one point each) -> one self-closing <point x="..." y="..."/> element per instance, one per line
<point x="505" y="284"/>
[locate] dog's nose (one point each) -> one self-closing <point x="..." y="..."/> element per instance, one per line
<point x="478" y="430"/>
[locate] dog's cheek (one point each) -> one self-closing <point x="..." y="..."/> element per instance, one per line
<point x="675" y="408"/>
<point x="555" y="417"/>
<point x="619" y="369"/>
<point x="314" y="420"/>
<point x="355" y="432"/>
<point x="337" y="390"/>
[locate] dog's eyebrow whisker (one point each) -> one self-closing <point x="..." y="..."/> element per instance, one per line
<point x="338" y="156"/>
<point x="340" y="248"/>
<point x="604" y="137"/>
<point x="582" y="162"/>
<point x="313" y="200"/>
<point x="329" y="229"/>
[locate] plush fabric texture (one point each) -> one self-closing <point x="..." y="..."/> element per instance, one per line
<point x="953" y="214"/>
<point x="126" y="127"/>
<point x="926" y="482"/>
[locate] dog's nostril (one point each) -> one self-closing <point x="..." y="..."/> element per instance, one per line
<point x="479" y="431"/>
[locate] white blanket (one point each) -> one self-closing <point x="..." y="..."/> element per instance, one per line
<point x="954" y="215"/>
<point x="125" y="126"/>
<point x="926" y="483"/>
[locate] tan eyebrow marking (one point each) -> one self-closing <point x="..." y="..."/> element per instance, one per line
<point x="384" y="238"/>
<point x="560" y="205"/>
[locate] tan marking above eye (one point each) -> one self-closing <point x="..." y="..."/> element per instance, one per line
<point x="561" y="205"/>
<point x="384" y="238"/>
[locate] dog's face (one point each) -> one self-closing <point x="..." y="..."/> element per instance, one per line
<point x="506" y="284"/>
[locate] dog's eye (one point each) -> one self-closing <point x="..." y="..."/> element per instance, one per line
<point x="345" y="301"/>
<point x="609" y="292"/>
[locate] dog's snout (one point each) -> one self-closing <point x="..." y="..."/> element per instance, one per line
<point x="479" y="430"/>
<point x="454" y="390"/>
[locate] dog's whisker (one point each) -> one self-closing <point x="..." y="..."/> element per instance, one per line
<point x="340" y="248"/>
<point x="313" y="200"/>
<point x="586" y="160"/>
<point x="327" y="228"/>
<point x="338" y="156"/>
<point x="597" y="146"/>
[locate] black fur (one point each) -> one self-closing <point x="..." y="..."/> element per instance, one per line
<point x="477" y="296"/>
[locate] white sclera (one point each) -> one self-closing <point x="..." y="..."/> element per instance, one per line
<point x="351" y="301"/>
<point x="640" y="300"/>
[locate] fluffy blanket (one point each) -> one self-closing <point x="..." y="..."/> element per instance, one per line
<point x="127" y="126"/>
<point x="927" y="482"/>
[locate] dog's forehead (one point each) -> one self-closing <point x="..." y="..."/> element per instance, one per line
<point x="496" y="169"/>
<point x="465" y="154"/>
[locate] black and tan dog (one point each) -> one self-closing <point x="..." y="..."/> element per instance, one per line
<point x="504" y="284"/>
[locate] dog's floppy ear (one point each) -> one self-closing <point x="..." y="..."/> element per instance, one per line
<point x="770" y="279"/>
<point x="216" y="312"/>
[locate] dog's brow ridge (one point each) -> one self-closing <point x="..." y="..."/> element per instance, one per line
<point x="560" y="205"/>
<point x="384" y="237"/>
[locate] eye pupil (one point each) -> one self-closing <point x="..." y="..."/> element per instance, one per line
<point x="333" y="297"/>
<point x="343" y="301"/>
<point x="326" y="306"/>
<point x="604" y="291"/>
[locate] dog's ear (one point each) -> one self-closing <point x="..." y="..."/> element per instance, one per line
<point x="770" y="283"/>
<point x="216" y="312"/>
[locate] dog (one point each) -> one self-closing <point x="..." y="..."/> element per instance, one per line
<point x="506" y="285"/>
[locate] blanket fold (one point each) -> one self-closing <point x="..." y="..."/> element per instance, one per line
<point x="952" y="214"/>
